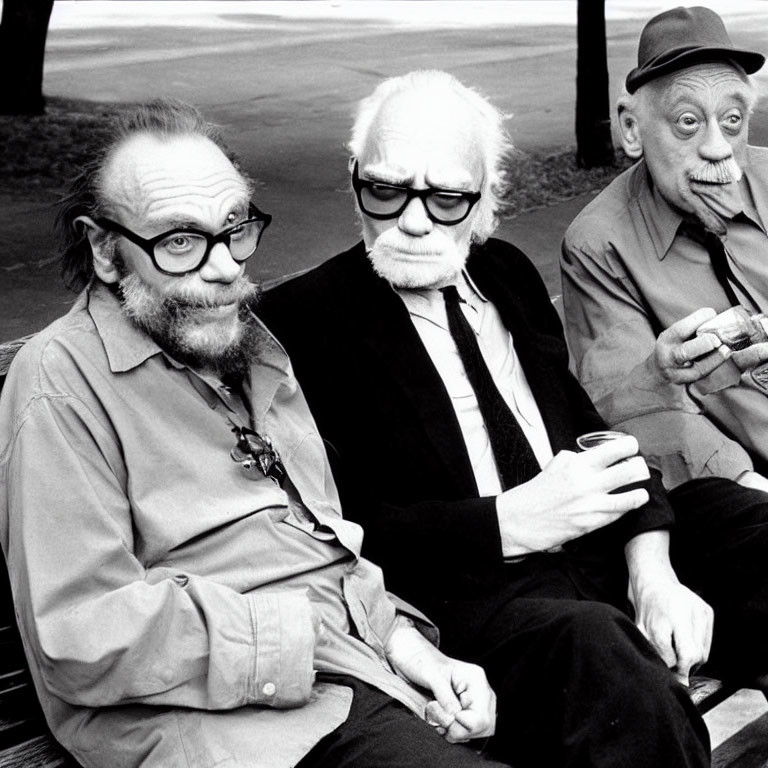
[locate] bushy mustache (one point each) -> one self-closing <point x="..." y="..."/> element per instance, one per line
<point x="177" y="322"/>
<point x="718" y="172"/>
<point x="394" y="240"/>
<point x="140" y="301"/>
<point x="241" y="290"/>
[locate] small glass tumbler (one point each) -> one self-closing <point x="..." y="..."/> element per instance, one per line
<point x="734" y="327"/>
<point x="593" y="439"/>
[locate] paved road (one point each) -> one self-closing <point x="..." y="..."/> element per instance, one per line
<point x="285" y="87"/>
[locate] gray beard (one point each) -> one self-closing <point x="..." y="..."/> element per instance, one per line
<point x="389" y="258"/>
<point x="176" y="324"/>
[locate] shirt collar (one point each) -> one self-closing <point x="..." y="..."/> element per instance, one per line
<point x="473" y="287"/>
<point x="126" y="346"/>
<point x="663" y="221"/>
<point x="427" y="297"/>
<point x="755" y="192"/>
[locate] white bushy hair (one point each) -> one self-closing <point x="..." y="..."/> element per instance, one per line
<point x="494" y="140"/>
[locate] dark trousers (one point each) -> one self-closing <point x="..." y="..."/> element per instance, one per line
<point x="577" y="683"/>
<point x="720" y="549"/>
<point x="382" y="733"/>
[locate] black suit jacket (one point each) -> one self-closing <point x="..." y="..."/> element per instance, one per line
<point x="392" y="435"/>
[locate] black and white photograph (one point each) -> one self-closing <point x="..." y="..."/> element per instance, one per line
<point x="383" y="384"/>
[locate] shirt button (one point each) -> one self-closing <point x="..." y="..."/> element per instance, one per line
<point x="181" y="579"/>
<point x="269" y="689"/>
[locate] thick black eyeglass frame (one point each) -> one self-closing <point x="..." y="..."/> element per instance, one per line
<point x="148" y="246"/>
<point x="359" y="184"/>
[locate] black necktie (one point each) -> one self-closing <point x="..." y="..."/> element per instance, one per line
<point x="514" y="456"/>
<point x="718" y="257"/>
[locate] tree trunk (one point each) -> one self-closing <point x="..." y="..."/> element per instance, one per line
<point x="23" y="30"/>
<point x="594" y="146"/>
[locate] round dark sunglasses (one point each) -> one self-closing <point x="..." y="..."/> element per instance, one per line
<point x="387" y="201"/>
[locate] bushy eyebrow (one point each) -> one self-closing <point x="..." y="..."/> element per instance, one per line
<point x="688" y="90"/>
<point x="164" y="224"/>
<point x="167" y="224"/>
<point x="458" y="186"/>
<point x="381" y="176"/>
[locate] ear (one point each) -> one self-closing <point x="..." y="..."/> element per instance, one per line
<point x="103" y="262"/>
<point x="630" y="131"/>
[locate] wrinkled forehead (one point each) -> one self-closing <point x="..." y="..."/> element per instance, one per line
<point x="719" y="81"/>
<point x="417" y="132"/>
<point x="180" y="177"/>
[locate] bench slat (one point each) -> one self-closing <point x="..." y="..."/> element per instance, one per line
<point x="706" y="692"/>
<point x="17" y="731"/>
<point x="40" y="752"/>
<point x="8" y="350"/>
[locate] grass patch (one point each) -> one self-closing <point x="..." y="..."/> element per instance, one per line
<point x="43" y="152"/>
<point x="39" y="155"/>
<point x="537" y="180"/>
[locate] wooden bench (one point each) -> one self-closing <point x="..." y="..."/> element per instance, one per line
<point x="26" y="742"/>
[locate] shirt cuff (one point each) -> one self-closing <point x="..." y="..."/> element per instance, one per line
<point x="284" y="639"/>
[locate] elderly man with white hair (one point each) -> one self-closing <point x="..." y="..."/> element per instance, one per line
<point x="437" y="371"/>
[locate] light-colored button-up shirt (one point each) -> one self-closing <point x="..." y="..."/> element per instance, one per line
<point x="626" y="267"/>
<point x="175" y="609"/>
<point x="428" y="314"/>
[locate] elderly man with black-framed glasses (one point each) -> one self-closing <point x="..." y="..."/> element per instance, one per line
<point x="436" y="369"/>
<point x="187" y="590"/>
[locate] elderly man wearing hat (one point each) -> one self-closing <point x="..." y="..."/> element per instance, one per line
<point x="648" y="268"/>
<point x="675" y="240"/>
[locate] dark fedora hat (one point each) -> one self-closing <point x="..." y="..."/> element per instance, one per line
<point x="682" y="37"/>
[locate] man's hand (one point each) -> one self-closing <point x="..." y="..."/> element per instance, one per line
<point x="571" y="496"/>
<point x="682" y="357"/>
<point x="751" y="357"/>
<point x="464" y="706"/>
<point x="752" y="479"/>
<point x="676" y="621"/>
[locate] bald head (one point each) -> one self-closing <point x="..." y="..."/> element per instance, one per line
<point x="154" y="180"/>
<point x="162" y="119"/>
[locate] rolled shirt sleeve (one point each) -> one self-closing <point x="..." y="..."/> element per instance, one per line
<point x="106" y="629"/>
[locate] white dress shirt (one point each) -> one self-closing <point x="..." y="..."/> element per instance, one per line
<point x="427" y="310"/>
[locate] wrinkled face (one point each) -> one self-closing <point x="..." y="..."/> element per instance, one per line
<point x="154" y="186"/>
<point x="422" y="145"/>
<point x="693" y="128"/>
